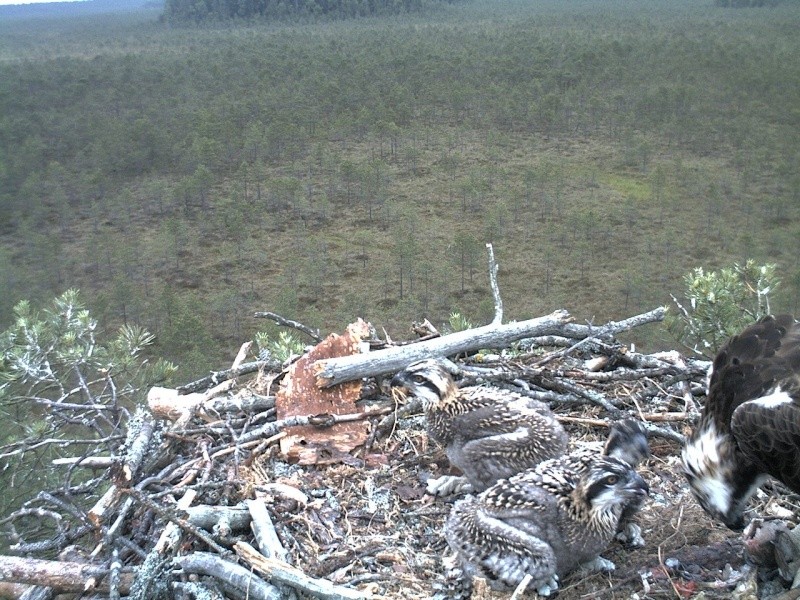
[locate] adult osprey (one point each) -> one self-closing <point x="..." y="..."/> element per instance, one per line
<point x="750" y="426"/>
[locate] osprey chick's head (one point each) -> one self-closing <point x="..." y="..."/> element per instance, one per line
<point x="719" y="479"/>
<point x="610" y="485"/>
<point x="427" y="380"/>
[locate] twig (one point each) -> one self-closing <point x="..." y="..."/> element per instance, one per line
<point x="523" y="585"/>
<point x="323" y="420"/>
<point x="220" y="376"/>
<point x="168" y="514"/>
<point x="312" y="333"/>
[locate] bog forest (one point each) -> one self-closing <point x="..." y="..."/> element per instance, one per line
<point x="184" y="172"/>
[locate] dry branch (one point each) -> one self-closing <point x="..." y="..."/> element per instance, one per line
<point x="206" y="563"/>
<point x="284" y="573"/>
<point x="172" y="533"/>
<point x="312" y="333"/>
<point x="264" y="531"/>
<point x="60" y="575"/>
<point x="389" y="360"/>
<point x="218" y="377"/>
<point x="612" y="328"/>
<point x="138" y="446"/>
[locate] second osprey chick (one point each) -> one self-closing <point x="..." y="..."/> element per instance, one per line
<point x="489" y="433"/>
<point x="545" y="522"/>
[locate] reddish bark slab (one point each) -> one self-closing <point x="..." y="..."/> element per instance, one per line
<point x="299" y="395"/>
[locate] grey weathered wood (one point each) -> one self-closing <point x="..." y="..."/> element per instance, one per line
<point x="279" y="572"/>
<point x="206" y="563"/>
<point x="264" y="531"/>
<point x="60" y="575"/>
<point x="390" y="360"/>
<point x="577" y="331"/>
<point x="207" y="516"/>
<point x="138" y="446"/>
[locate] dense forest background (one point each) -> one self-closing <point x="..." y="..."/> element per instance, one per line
<point x="201" y="11"/>
<point x="183" y="176"/>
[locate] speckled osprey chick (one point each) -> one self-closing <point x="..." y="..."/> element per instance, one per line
<point x="489" y="433"/>
<point x="546" y="522"/>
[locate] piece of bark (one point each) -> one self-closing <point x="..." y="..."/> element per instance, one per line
<point x="280" y="572"/>
<point x="333" y="371"/>
<point x="206" y="563"/>
<point x="299" y="396"/>
<point x="59" y="575"/>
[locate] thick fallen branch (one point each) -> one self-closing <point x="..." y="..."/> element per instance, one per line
<point x="612" y="328"/>
<point x="389" y="360"/>
<point x="60" y="575"/>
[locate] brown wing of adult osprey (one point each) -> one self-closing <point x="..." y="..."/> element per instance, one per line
<point x="750" y="425"/>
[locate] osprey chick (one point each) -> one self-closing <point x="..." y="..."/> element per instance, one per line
<point x="750" y="425"/>
<point x="489" y="433"/>
<point x="546" y="522"/>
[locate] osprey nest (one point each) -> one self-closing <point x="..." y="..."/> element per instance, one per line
<point x="309" y="479"/>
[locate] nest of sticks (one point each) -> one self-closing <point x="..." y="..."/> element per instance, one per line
<point x="307" y="479"/>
